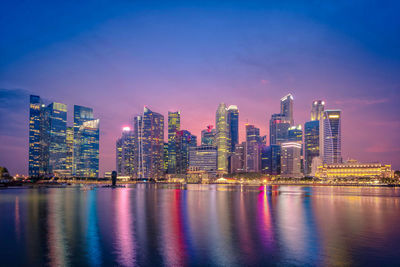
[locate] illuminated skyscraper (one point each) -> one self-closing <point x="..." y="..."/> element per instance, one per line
<point x="125" y="148"/>
<point x="287" y="108"/>
<point x="311" y="144"/>
<point x="149" y="133"/>
<point x="278" y="129"/>
<point x="317" y="110"/>
<point x="81" y="114"/>
<point x="253" y="149"/>
<point x="165" y="157"/>
<point x="37" y="146"/>
<point x="174" y="125"/>
<point x="88" y="149"/>
<point x="208" y="136"/>
<point x="331" y="137"/>
<point x="57" y="138"/>
<point x="70" y="150"/>
<point x="222" y="138"/>
<point x="233" y="122"/>
<point x="238" y="159"/>
<point x="184" y="141"/>
<point x="290" y="160"/>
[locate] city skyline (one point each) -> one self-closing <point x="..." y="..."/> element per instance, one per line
<point x="250" y="56"/>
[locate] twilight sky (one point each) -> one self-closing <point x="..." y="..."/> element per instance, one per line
<point x="117" y="56"/>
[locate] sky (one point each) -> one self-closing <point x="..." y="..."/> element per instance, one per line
<point x="119" y="56"/>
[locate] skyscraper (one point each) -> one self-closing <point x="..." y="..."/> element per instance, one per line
<point x="278" y="129"/>
<point x="331" y="137"/>
<point x="70" y="150"/>
<point x="86" y="143"/>
<point x="184" y="141"/>
<point x="57" y="138"/>
<point x="208" y="136"/>
<point x="81" y="114"/>
<point x="287" y="108"/>
<point x="317" y="110"/>
<point x="149" y="133"/>
<point x="238" y="158"/>
<point x="311" y="144"/>
<point x="295" y="134"/>
<point x="88" y="149"/>
<point x="36" y="137"/>
<point x="253" y="149"/>
<point x="174" y="125"/>
<point x="233" y="122"/>
<point x="290" y="160"/>
<point x="222" y="138"/>
<point x="125" y="148"/>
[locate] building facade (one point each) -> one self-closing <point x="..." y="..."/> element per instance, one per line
<point x="208" y="136"/>
<point x="331" y="137"/>
<point x="149" y="135"/>
<point x="354" y="169"/>
<point x="125" y="153"/>
<point x="222" y="138"/>
<point x="278" y="129"/>
<point x="291" y="160"/>
<point x="253" y="149"/>
<point x="287" y="108"/>
<point x="233" y="122"/>
<point x="203" y="158"/>
<point x="311" y="144"/>
<point x="174" y="125"/>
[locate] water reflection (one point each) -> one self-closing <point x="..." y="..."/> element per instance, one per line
<point x="152" y="225"/>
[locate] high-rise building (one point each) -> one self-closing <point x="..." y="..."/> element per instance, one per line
<point x="253" y="149"/>
<point x="81" y="114"/>
<point x="278" y="129"/>
<point x="203" y="158"/>
<point x="86" y="143"/>
<point x="317" y="110"/>
<point x="184" y="140"/>
<point x="287" y="108"/>
<point x="174" y="125"/>
<point x="271" y="159"/>
<point x="331" y="137"/>
<point x="290" y="160"/>
<point x="311" y="144"/>
<point x="295" y="134"/>
<point x="70" y="150"/>
<point x="37" y="145"/>
<point x="165" y="157"/>
<point x="208" y="136"/>
<point x="125" y="148"/>
<point x="88" y="149"/>
<point x="233" y="122"/>
<point x="222" y="138"/>
<point x="149" y="135"/>
<point x="237" y="159"/>
<point x="57" y="138"/>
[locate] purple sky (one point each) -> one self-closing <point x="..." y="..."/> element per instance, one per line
<point x="185" y="56"/>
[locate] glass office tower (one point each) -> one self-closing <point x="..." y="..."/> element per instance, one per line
<point x="88" y="149"/>
<point x="208" y="136"/>
<point x="332" y="137"/>
<point x="278" y="129"/>
<point x="174" y="125"/>
<point x="253" y="146"/>
<point x="149" y="135"/>
<point x="125" y="156"/>
<point x="222" y="138"/>
<point x="311" y="144"/>
<point x="184" y="141"/>
<point x="57" y="138"/>
<point x="287" y="108"/>
<point x="233" y="122"/>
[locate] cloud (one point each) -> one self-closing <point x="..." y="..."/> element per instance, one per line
<point x="361" y="102"/>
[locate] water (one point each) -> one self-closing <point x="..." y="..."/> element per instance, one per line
<point x="200" y="225"/>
